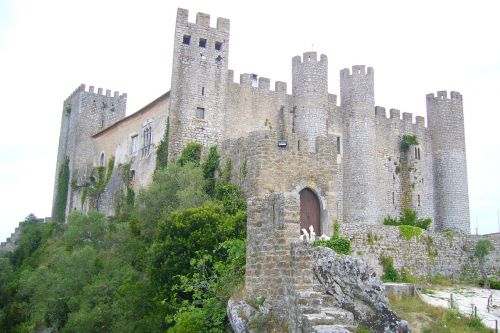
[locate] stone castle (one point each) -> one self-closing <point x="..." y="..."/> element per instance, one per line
<point x="302" y="159"/>
<point x="344" y="159"/>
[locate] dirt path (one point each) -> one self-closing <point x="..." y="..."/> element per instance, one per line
<point x="464" y="299"/>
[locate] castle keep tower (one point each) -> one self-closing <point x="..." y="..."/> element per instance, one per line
<point x="85" y="113"/>
<point x="310" y="91"/>
<point x="199" y="81"/>
<point x="446" y="124"/>
<point x="358" y="113"/>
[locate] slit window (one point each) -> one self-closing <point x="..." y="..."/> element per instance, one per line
<point x="101" y="160"/>
<point x="418" y="153"/>
<point x="418" y="196"/>
<point x="218" y="46"/>
<point x="186" y="40"/>
<point x="200" y="113"/>
<point x="132" y="175"/>
<point x="203" y="42"/>
<point x="338" y="145"/>
<point x="202" y="91"/>
<point x="393" y="199"/>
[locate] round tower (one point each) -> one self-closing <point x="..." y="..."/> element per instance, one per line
<point x="357" y="103"/>
<point x="446" y="125"/>
<point x="310" y="92"/>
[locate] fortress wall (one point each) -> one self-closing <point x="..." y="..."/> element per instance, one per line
<point x="273" y="220"/>
<point x="255" y="107"/>
<point x="274" y="169"/>
<point x="389" y="157"/>
<point x="431" y="254"/>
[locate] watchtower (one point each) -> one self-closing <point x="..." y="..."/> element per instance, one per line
<point x="358" y="114"/>
<point x="85" y="113"/>
<point x="199" y="81"/>
<point x="310" y="92"/>
<point x="445" y="118"/>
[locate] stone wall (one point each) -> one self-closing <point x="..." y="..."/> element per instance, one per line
<point x="431" y="254"/>
<point x="270" y="168"/>
<point x="85" y="112"/>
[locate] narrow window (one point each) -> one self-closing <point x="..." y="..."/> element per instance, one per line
<point x="418" y="153"/>
<point x="218" y="59"/>
<point x="147" y="137"/>
<point x="133" y="144"/>
<point x="102" y="123"/>
<point x="202" y="91"/>
<point x="132" y="175"/>
<point x="101" y="160"/>
<point x="186" y="40"/>
<point x="203" y="42"/>
<point x="418" y="197"/>
<point x="200" y="113"/>
<point x="218" y="46"/>
<point x="393" y="199"/>
<point x="338" y="145"/>
<point x="298" y="145"/>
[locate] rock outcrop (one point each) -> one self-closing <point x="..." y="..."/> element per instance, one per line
<point x="345" y="293"/>
<point x="355" y="288"/>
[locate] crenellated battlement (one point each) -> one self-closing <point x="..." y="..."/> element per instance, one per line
<point x="443" y="95"/>
<point x="82" y="88"/>
<point x="357" y="70"/>
<point x="256" y="82"/>
<point x="202" y="20"/>
<point x="395" y="115"/>
<point x="309" y="57"/>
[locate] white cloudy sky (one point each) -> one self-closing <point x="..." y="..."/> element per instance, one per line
<point x="47" y="48"/>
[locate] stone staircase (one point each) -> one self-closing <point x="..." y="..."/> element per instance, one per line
<point x="319" y="314"/>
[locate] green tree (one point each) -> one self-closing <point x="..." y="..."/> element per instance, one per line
<point x="176" y="187"/>
<point x="481" y="251"/>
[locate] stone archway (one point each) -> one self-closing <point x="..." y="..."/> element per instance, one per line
<point x="310" y="211"/>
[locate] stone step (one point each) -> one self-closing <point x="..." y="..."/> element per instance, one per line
<point x="333" y="329"/>
<point x="314" y="299"/>
<point x="327" y="316"/>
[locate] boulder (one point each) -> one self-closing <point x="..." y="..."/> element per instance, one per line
<point x="356" y="288"/>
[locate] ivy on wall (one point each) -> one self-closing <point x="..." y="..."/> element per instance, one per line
<point x="407" y="141"/>
<point x="59" y="211"/>
<point x="162" y="150"/>
<point x="93" y="189"/>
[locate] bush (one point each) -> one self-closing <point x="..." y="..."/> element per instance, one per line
<point x="390" y="273"/>
<point x="191" y="154"/>
<point x="407" y="141"/>
<point x="339" y="245"/>
<point x="408" y="217"/>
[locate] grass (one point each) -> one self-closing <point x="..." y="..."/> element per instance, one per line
<point x="426" y="318"/>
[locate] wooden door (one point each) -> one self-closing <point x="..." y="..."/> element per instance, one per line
<point x="309" y="211"/>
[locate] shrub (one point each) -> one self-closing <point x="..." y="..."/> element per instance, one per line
<point x="407" y="141"/>
<point x="192" y="153"/>
<point x="390" y="273"/>
<point x="408" y="232"/>
<point x="408" y="217"/>
<point x="339" y="245"/>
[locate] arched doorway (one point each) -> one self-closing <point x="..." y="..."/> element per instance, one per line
<point x="310" y="213"/>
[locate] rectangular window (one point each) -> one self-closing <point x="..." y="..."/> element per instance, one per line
<point x="218" y="46"/>
<point x="203" y="42"/>
<point x="200" y="113"/>
<point x="338" y="145"/>
<point x="186" y="39"/>
<point x="133" y="144"/>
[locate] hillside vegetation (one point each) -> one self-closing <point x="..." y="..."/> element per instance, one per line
<point x="168" y="261"/>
